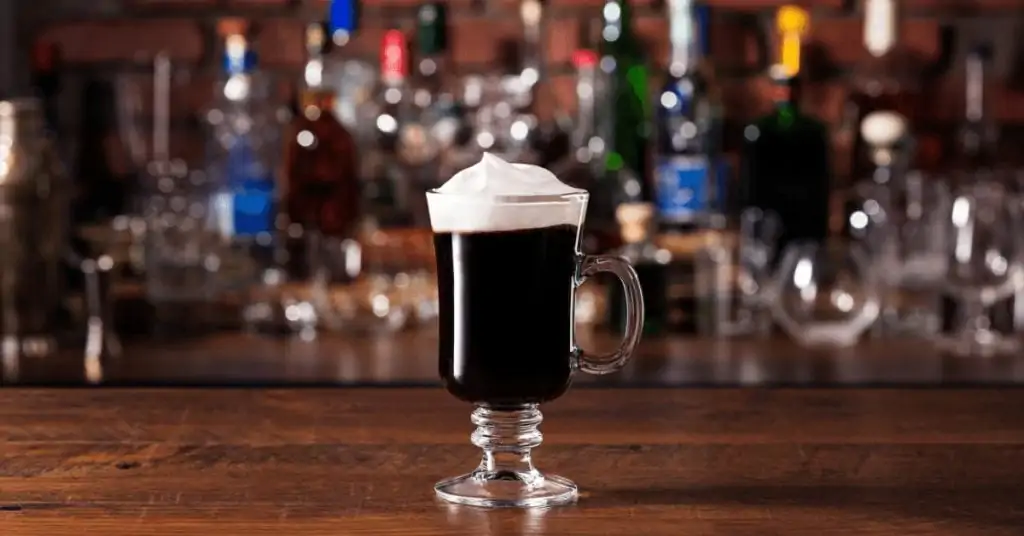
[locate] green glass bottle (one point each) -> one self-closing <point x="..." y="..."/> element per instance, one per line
<point x="626" y="195"/>
<point x="626" y="134"/>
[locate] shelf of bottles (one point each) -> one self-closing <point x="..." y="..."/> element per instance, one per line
<point x="310" y="216"/>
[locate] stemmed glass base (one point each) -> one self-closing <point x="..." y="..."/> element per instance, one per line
<point x="506" y="476"/>
<point x="980" y="342"/>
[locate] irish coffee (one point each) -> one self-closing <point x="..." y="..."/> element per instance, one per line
<point x="506" y="309"/>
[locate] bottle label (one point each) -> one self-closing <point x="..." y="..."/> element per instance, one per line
<point x="682" y="188"/>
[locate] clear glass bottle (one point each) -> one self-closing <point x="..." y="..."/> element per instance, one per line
<point x="242" y="162"/>
<point x="388" y="190"/>
<point x="582" y="166"/>
<point x="431" y="124"/>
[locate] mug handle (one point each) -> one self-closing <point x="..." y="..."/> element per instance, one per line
<point x="634" y="301"/>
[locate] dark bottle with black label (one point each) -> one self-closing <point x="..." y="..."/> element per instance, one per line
<point x="785" y="154"/>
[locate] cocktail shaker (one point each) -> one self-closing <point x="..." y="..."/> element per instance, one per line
<point x="34" y="196"/>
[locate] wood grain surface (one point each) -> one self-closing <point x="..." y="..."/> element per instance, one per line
<point x="410" y="359"/>
<point x="360" y="461"/>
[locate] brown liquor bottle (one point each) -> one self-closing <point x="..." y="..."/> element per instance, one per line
<point x="321" y="157"/>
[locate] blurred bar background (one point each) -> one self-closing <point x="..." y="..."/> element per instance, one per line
<point x="788" y="180"/>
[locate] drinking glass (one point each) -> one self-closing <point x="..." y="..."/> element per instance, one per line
<point x="923" y="235"/>
<point x="983" y="263"/>
<point x="759" y="236"/>
<point x="508" y="269"/>
<point x="825" y="294"/>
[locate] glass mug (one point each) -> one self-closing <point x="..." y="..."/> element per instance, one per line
<point x="508" y="268"/>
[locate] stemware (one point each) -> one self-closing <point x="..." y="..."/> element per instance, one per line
<point x="825" y="294"/>
<point x="983" y="264"/>
<point x="760" y="231"/>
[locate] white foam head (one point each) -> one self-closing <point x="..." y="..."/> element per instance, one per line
<point x="494" y="195"/>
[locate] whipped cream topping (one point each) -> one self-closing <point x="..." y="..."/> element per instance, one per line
<point x="476" y="199"/>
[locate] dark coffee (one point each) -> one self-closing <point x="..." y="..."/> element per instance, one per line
<point x="506" y="306"/>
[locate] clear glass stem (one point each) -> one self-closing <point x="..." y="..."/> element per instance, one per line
<point x="974" y="319"/>
<point x="506" y="476"/>
<point x="507" y="438"/>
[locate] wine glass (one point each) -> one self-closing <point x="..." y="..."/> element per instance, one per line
<point x="825" y="294"/>
<point x="508" y="270"/>
<point x="983" y="258"/>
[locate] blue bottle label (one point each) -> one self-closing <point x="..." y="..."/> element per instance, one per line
<point x="681" y="192"/>
<point x="246" y="208"/>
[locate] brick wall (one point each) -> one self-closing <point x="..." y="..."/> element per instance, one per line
<point x="100" y="35"/>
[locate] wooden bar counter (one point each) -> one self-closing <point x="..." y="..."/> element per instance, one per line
<point x="355" y="461"/>
<point x="347" y="437"/>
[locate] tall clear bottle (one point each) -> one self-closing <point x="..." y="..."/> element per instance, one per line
<point x="388" y="189"/>
<point x="242" y="162"/>
<point x="785" y="154"/>
<point x="431" y="125"/>
<point x="688" y="120"/>
<point x="583" y="166"/>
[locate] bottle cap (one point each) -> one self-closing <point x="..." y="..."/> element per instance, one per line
<point x="393" y="64"/>
<point x="584" y="58"/>
<point x="342" y="15"/>
<point x="342" y="18"/>
<point x="792" y="22"/>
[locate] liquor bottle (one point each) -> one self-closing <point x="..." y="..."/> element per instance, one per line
<point x="388" y="189"/>
<point x="582" y="166"/>
<point x="626" y="124"/>
<point x="637" y="223"/>
<point x="687" y="119"/>
<point x="430" y="126"/>
<point x="321" y="157"/>
<point x="431" y="96"/>
<point x="242" y="159"/>
<point x="885" y="97"/>
<point x="785" y="154"/>
<point x="543" y="140"/>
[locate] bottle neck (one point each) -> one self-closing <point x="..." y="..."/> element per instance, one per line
<point x="975" y="89"/>
<point x="685" y="34"/>
<point x="431" y="39"/>
<point x="585" y="128"/>
<point x="532" y="15"/>
<point x="616" y="32"/>
<point x="880" y="26"/>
